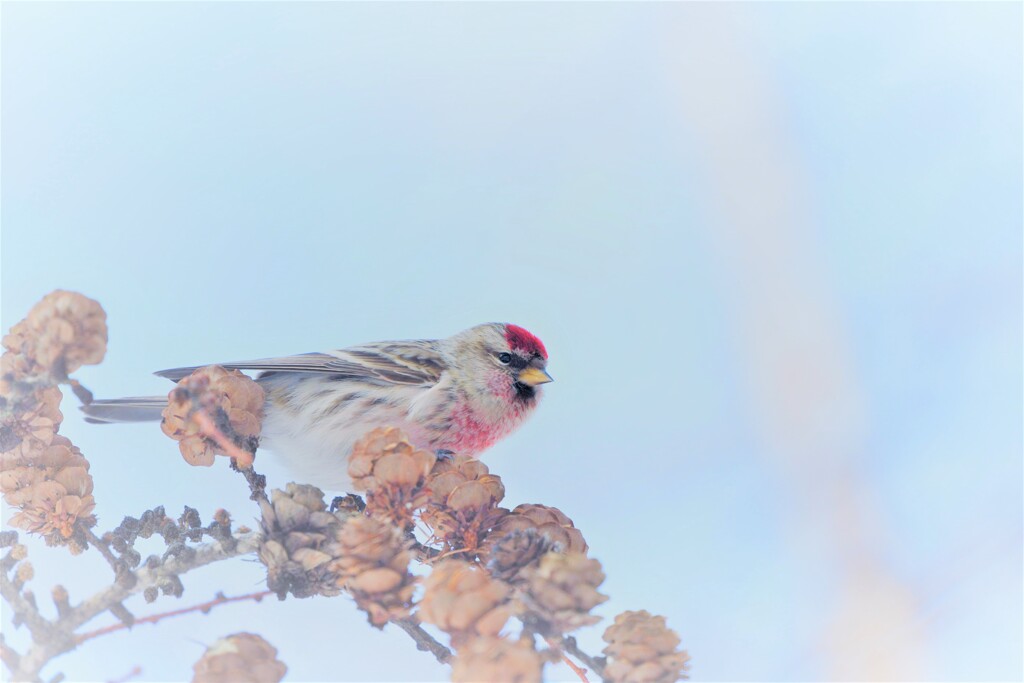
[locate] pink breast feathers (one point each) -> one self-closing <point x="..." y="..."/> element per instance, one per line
<point x="470" y="435"/>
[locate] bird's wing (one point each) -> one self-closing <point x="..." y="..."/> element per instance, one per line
<point x="416" y="362"/>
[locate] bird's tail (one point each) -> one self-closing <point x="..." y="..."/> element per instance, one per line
<point x="135" y="409"/>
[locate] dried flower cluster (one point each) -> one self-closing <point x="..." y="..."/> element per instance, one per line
<point x="497" y="660"/>
<point x="464" y="601"/>
<point x="60" y="334"/>
<point x="642" y="649"/>
<point x="42" y="473"/>
<point x="374" y="568"/>
<point x="232" y="401"/>
<point x="562" y="589"/>
<point x="300" y="543"/>
<point x="52" y="489"/>
<point x="530" y="530"/>
<point x="239" y="658"/>
<point x="392" y="472"/>
<point x="464" y="502"/>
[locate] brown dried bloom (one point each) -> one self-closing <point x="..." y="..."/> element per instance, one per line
<point x="549" y="521"/>
<point x="299" y="543"/>
<point x="463" y="600"/>
<point x="14" y="369"/>
<point x="464" y="497"/>
<point x="373" y="565"/>
<point x="497" y="660"/>
<point x="53" y="490"/>
<point x="642" y="649"/>
<point x="393" y="473"/>
<point x="512" y="552"/>
<point x="31" y="424"/>
<point x="230" y="399"/>
<point x="562" y="589"/>
<point x="61" y="333"/>
<point x="239" y="658"/>
<point x="456" y="472"/>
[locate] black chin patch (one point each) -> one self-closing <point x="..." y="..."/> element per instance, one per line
<point x="524" y="391"/>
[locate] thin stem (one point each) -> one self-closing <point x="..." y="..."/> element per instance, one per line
<point x="52" y="639"/>
<point x="136" y="671"/>
<point x="204" y="607"/>
<point x="39" y="627"/>
<point x="104" y="549"/>
<point x="569" y="644"/>
<point x="578" y="670"/>
<point x="9" y="656"/>
<point x="424" y="641"/>
<point x="257" y="486"/>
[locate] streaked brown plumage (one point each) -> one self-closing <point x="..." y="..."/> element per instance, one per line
<point x="460" y="394"/>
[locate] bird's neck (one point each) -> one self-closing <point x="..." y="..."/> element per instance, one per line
<point x="477" y="424"/>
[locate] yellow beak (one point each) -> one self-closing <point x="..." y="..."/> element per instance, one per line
<point x="533" y="376"/>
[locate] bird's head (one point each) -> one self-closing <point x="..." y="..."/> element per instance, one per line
<point x="500" y="362"/>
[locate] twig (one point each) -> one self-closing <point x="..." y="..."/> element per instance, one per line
<point x="257" y="486"/>
<point x="136" y="670"/>
<point x="8" y="656"/>
<point x="204" y="607"/>
<point x="52" y="639"/>
<point x="243" y="459"/>
<point x="578" y="670"/>
<point x="596" y="664"/>
<point x="25" y="611"/>
<point x="104" y="548"/>
<point x="424" y="641"/>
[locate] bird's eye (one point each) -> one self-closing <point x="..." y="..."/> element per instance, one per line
<point x="505" y="358"/>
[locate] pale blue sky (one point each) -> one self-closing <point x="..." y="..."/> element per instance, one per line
<point x="773" y="249"/>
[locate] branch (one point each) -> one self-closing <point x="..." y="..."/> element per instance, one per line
<point x="24" y="610"/>
<point x="558" y="645"/>
<point x="534" y="623"/>
<point x="55" y="638"/>
<point x="8" y="656"/>
<point x="424" y="641"/>
<point x="102" y="547"/>
<point x="596" y="664"/>
<point x="204" y="607"/>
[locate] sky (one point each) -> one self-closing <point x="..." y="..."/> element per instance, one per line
<point x="773" y="249"/>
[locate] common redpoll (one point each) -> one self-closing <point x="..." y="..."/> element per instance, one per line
<point x="461" y="395"/>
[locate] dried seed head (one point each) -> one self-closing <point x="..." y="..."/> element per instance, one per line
<point x="497" y="660"/>
<point x="299" y="542"/>
<point x="29" y="426"/>
<point x="514" y="551"/>
<point x="464" y="498"/>
<point x="240" y="657"/>
<point x="562" y="589"/>
<point x="230" y="399"/>
<point x="642" y="648"/>
<point x="549" y="521"/>
<point x="52" y="488"/>
<point x="393" y="473"/>
<point x="61" y="333"/>
<point x="463" y="600"/>
<point x="373" y="565"/>
<point x="453" y="473"/>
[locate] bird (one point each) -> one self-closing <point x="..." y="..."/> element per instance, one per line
<point x="460" y="394"/>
